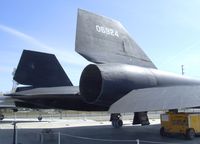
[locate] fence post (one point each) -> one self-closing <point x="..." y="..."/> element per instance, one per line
<point x="41" y="138"/>
<point x="58" y="137"/>
<point x="14" y="132"/>
<point x="138" y="141"/>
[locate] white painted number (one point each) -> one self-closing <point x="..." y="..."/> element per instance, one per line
<point x="107" y="31"/>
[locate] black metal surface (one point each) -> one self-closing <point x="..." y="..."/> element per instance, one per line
<point x="66" y="97"/>
<point x="47" y="97"/>
<point x="104" y="84"/>
<point x="40" y="70"/>
<point x="159" y="98"/>
<point x="49" y="86"/>
<point x="67" y="103"/>
<point x="125" y="70"/>
<point x="103" y="40"/>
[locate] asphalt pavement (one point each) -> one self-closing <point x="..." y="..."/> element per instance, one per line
<point x="86" y="132"/>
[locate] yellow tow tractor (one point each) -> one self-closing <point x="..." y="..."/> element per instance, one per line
<point x="184" y="123"/>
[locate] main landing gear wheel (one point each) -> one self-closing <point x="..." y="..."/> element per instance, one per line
<point x="1" y="116"/>
<point x="40" y="115"/>
<point x="40" y="118"/>
<point x="117" y="123"/>
<point x="116" y="120"/>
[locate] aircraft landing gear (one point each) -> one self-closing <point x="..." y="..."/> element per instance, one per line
<point x="15" y="110"/>
<point x="40" y="118"/>
<point x="141" y="118"/>
<point x="116" y="120"/>
<point x="40" y="115"/>
<point x="1" y="116"/>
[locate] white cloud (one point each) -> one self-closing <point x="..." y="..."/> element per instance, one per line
<point x="190" y="49"/>
<point x="70" y="58"/>
<point x="5" y="69"/>
<point x="62" y="54"/>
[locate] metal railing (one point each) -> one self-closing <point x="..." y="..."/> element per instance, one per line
<point x="73" y="139"/>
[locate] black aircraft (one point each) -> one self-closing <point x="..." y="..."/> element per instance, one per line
<point x="121" y="79"/>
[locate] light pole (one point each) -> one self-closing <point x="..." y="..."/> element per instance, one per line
<point x="182" y="69"/>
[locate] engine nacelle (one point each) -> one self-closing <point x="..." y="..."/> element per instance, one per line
<point x="106" y="83"/>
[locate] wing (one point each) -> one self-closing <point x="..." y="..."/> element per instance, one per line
<point x="160" y="98"/>
<point x="46" y="92"/>
<point x="47" y="97"/>
<point x="103" y="40"/>
<point x="66" y="97"/>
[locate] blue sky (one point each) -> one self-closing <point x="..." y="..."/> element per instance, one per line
<point x="167" y="30"/>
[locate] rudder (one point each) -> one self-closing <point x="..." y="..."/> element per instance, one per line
<point x="103" y="40"/>
<point x="40" y="70"/>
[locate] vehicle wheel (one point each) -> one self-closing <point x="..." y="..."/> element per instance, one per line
<point x="190" y="133"/>
<point x="117" y="123"/>
<point x="162" y="131"/>
<point x="1" y="117"/>
<point x="40" y="118"/>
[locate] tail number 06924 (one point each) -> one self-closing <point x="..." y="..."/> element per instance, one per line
<point x="107" y="31"/>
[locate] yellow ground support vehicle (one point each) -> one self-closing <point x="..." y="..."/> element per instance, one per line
<point x="187" y="124"/>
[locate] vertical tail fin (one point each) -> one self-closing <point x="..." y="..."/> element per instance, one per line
<point x="103" y="40"/>
<point x="40" y="70"/>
